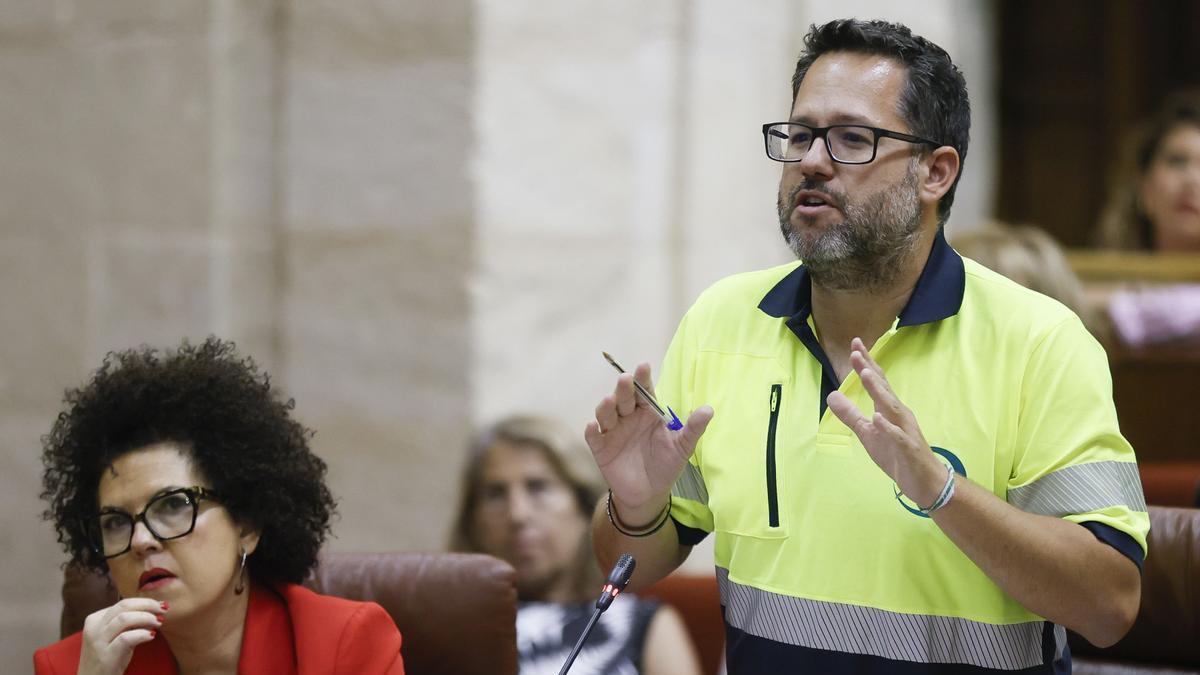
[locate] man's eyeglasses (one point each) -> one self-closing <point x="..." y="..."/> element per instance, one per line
<point x="846" y="143"/>
<point x="170" y="515"/>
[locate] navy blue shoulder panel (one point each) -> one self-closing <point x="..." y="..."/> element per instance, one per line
<point x="1125" y="544"/>
<point x="688" y="536"/>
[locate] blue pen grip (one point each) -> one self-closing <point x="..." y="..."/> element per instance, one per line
<point x="674" y="424"/>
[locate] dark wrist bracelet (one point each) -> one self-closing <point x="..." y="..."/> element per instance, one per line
<point x="615" y="519"/>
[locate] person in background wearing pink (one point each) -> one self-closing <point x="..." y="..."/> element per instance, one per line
<point x="1155" y="206"/>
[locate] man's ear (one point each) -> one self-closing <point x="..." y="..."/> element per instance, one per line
<point x="942" y="167"/>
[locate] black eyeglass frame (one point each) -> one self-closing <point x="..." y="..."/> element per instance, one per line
<point x="823" y="134"/>
<point x="195" y="494"/>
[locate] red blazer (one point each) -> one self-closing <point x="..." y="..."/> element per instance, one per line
<point x="289" y="630"/>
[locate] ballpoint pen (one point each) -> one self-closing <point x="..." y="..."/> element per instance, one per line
<point x="671" y="420"/>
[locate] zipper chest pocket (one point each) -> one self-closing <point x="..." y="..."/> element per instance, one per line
<point x="772" y="485"/>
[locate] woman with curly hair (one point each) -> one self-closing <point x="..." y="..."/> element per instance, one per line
<point x="183" y="475"/>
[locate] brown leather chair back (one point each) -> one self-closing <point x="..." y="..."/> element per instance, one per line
<point x="1166" y="635"/>
<point x="457" y="612"/>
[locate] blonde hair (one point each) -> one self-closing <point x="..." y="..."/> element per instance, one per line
<point x="565" y="451"/>
<point x="1123" y="224"/>
<point x="1028" y="256"/>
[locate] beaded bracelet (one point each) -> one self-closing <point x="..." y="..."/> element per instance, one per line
<point x="945" y="495"/>
<point x="615" y="519"/>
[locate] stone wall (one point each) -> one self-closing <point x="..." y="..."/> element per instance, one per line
<point x="416" y="216"/>
<point x="376" y="229"/>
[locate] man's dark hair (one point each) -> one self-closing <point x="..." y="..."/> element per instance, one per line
<point x="220" y="411"/>
<point x="934" y="104"/>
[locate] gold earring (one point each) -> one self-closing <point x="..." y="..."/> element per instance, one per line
<point x="241" y="584"/>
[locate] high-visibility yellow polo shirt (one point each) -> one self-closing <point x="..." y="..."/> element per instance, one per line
<point x="823" y="565"/>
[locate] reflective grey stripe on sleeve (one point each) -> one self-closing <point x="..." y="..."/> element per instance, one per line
<point x="1082" y="488"/>
<point x="891" y="635"/>
<point x="690" y="485"/>
<point x="1060" y="641"/>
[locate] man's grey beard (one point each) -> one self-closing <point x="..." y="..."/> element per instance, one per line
<point x="868" y="249"/>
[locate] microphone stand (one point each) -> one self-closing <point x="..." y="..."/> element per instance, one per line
<point x="617" y="579"/>
<point x="579" y="643"/>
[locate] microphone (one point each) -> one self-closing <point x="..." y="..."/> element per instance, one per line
<point x="618" y="578"/>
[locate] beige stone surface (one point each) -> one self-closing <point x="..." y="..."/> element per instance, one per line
<point x="31" y="574"/>
<point x="576" y="177"/>
<point x="576" y="135"/>
<point x="375" y="337"/>
<point x="23" y="17"/>
<point x="545" y="308"/>
<point x="378" y="146"/>
<point x="334" y="33"/>
<point x="376" y="211"/>
<point x="147" y="289"/>
<point x="131" y="17"/>
<point x="243" y="153"/>
<point x="393" y="479"/>
<point x="247" y="289"/>
<point x="43" y="296"/>
<point x="365" y="316"/>
<point x="376" y="116"/>
<point x="105" y="133"/>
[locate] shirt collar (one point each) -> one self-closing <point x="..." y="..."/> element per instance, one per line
<point x="938" y="294"/>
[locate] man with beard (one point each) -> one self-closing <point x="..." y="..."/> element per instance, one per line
<point x="911" y="464"/>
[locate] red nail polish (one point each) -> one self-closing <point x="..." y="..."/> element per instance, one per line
<point x="165" y="606"/>
<point x="153" y="633"/>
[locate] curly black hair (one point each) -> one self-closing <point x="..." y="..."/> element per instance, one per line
<point x="219" y="408"/>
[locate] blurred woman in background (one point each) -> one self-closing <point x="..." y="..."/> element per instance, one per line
<point x="1154" y="204"/>
<point x="1032" y="258"/>
<point x="1025" y="254"/>
<point x="529" y="489"/>
<point x="183" y="476"/>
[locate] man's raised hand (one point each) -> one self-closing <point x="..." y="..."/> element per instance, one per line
<point x="891" y="436"/>
<point x="639" y="457"/>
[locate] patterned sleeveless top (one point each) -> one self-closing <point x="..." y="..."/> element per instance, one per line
<point x="547" y="632"/>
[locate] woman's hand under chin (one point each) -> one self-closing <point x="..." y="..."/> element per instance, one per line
<point x="110" y="634"/>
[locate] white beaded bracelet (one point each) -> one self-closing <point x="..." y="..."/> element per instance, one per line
<point x="943" y="498"/>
